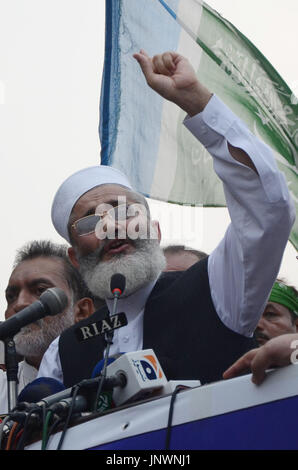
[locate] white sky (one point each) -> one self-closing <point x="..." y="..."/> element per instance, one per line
<point x="50" y="73"/>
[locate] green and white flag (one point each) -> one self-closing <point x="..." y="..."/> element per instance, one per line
<point x="164" y="160"/>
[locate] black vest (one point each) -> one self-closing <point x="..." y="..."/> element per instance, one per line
<point x="180" y="325"/>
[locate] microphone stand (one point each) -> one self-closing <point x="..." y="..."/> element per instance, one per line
<point x="109" y="340"/>
<point x="11" y="364"/>
<point x="110" y="334"/>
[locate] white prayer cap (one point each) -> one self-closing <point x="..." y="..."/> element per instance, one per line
<point x="78" y="184"/>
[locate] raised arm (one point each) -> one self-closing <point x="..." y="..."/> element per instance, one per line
<point x="172" y="76"/>
<point x="244" y="266"/>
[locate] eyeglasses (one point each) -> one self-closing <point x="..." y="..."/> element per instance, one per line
<point x="87" y="225"/>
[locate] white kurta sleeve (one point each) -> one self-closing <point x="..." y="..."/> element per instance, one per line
<point x="50" y="365"/>
<point x="244" y="266"/>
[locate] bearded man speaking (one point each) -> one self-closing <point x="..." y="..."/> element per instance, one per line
<point x="198" y="321"/>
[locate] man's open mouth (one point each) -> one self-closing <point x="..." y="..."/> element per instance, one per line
<point x="114" y="247"/>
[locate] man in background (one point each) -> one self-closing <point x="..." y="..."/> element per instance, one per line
<point x="180" y="257"/>
<point x="280" y="315"/>
<point x="276" y="333"/>
<point x="39" y="266"/>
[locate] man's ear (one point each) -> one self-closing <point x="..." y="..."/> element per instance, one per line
<point x="83" y="309"/>
<point x="73" y="257"/>
<point x="156" y="226"/>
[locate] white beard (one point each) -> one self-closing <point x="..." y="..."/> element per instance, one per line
<point x="139" y="268"/>
<point x="31" y="342"/>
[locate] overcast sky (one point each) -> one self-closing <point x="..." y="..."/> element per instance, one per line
<point x="50" y="73"/>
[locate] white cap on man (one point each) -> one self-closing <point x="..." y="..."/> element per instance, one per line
<point x="76" y="186"/>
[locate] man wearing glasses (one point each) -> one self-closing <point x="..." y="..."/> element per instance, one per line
<point x="198" y="321"/>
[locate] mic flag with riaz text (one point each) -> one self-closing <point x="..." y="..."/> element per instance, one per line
<point x="142" y="134"/>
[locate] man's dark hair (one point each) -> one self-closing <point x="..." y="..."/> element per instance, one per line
<point x="175" y="249"/>
<point x="47" y="249"/>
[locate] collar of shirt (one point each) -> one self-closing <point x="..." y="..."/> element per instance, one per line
<point x="134" y="303"/>
<point x="130" y="337"/>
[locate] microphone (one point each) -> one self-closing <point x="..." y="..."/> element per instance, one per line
<point x="99" y="366"/>
<point x="39" y="389"/>
<point x="142" y="373"/>
<point x="51" y="302"/>
<point x="33" y="397"/>
<point x="87" y="398"/>
<point x="47" y="392"/>
<point x="105" y="400"/>
<point x="78" y="404"/>
<point x="61" y="401"/>
<point x="117" y="284"/>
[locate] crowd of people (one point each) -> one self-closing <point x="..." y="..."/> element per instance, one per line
<point x="226" y="309"/>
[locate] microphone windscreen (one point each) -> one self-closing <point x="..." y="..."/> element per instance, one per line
<point x="54" y="300"/>
<point x="99" y="366"/>
<point x="39" y="389"/>
<point x="118" y="282"/>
